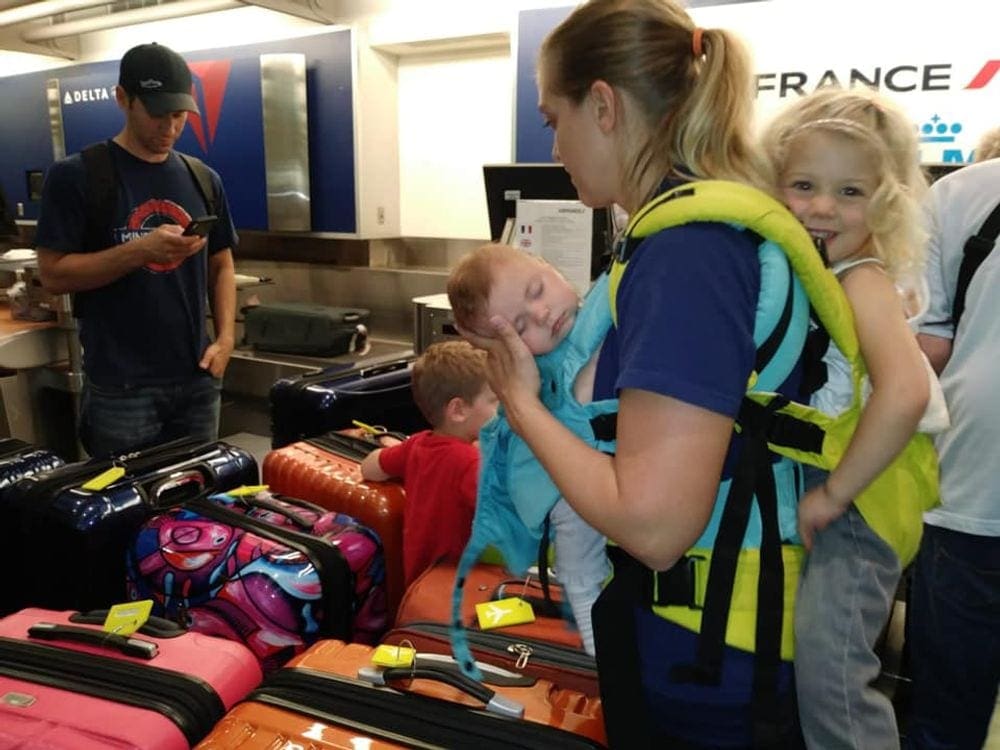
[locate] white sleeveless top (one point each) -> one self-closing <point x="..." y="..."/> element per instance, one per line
<point x="834" y="396"/>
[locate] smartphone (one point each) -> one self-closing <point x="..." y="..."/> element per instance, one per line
<point x="200" y="226"/>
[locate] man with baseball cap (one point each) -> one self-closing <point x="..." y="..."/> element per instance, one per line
<point x="110" y="231"/>
<point x="159" y="77"/>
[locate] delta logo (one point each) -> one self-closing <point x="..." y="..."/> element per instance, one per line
<point x="896" y="78"/>
<point x="96" y="94"/>
<point x="209" y="89"/>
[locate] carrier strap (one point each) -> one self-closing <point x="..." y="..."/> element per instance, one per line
<point x="753" y="477"/>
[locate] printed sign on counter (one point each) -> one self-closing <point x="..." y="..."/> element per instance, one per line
<point x="561" y="232"/>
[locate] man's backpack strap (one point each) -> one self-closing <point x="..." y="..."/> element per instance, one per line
<point x="977" y="247"/>
<point x="203" y="179"/>
<point x="100" y="194"/>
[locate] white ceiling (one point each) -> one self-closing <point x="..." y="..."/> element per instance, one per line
<point x="54" y="27"/>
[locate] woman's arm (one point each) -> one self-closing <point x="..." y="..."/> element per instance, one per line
<point x="655" y="496"/>
<point x="900" y="388"/>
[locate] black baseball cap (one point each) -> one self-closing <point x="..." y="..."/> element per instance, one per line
<point x="159" y="77"/>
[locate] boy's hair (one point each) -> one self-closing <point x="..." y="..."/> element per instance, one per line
<point x="894" y="214"/>
<point x="446" y="370"/>
<point x="989" y="145"/>
<point x="471" y="281"/>
<point x="692" y="87"/>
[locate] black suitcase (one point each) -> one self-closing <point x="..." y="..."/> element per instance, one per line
<point x="19" y="459"/>
<point x="299" y="328"/>
<point x="310" y="405"/>
<point x="65" y="544"/>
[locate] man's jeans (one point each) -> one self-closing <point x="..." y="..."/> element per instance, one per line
<point x="120" y="419"/>
<point x="953" y="632"/>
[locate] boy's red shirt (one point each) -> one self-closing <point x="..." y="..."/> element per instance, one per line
<point x="440" y="475"/>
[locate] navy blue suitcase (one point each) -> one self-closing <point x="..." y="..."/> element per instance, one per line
<point x="19" y="459"/>
<point x="311" y="405"/>
<point x="65" y="546"/>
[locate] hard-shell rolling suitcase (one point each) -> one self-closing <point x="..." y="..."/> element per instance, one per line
<point x="565" y="666"/>
<point x="271" y="571"/>
<point x="68" y="533"/>
<point x="300" y="328"/>
<point x="428" y="599"/>
<point x="68" y="685"/>
<point x="19" y="459"/>
<point x="310" y="405"/>
<point x="333" y="697"/>
<point x="326" y="470"/>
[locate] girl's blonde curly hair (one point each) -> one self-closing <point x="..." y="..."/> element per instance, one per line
<point x="894" y="215"/>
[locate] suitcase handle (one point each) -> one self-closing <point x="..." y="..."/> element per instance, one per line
<point x="269" y="505"/>
<point x="494" y="702"/>
<point x="355" y="448"/>
<point x="541" y="606"/>
<point x="50" y="631"/>
<point x="155" y="627"/>
<point x="178" y="488"/>
<point x="370" y="372"/>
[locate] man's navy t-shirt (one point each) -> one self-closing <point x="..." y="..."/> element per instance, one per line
<point x="147" y="327"/>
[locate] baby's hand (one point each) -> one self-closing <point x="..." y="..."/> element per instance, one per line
<point x="817" y="509"/>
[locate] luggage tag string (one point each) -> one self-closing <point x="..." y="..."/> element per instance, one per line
<point x="407" y="643"/>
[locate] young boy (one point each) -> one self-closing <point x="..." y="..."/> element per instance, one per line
<point x="440" y="466"/>
<point x="545" y="310"/>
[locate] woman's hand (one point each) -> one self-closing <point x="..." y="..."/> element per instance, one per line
<point x="511" y="369"/>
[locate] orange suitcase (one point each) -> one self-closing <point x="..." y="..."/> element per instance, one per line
<point x="428" y="599"/>
<point x="325" y="470"/>
<point x="332" y="697"/>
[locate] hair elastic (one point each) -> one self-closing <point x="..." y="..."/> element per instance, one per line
<point x="696" y="41"/>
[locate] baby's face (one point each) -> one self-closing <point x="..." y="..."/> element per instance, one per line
<point x="536" y="299"/>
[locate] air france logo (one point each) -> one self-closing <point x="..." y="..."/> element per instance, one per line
<point x="896" y="78"/>
<point x="985" y="75"/>
<point x="211" y="77"/>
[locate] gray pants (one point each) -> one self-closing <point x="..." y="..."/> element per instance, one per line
<point x="845" y="596"/>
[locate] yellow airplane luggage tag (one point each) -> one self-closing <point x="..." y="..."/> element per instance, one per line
<point x="504" y="612"/>
<point x="104" y="479"/>
<point x="387" y="655"/>
<point x="247" y="490"/>
<point x="125" y="619"/>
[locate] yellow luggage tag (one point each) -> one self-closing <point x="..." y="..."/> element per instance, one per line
<point x="504" y="612"/>
<point x="104" y="479"/>
<point x="125" y="619"/>
<point x="247" y="490"/>
<point x="387" y="655"/>
<point x="370" y="429"/>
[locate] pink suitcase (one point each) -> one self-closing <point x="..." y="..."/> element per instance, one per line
<point x="65" y="684"/>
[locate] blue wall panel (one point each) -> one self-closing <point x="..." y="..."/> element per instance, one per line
<point x="25" y="142"/>
<point x="532" y="141"/>
<point x="228" y="135"/>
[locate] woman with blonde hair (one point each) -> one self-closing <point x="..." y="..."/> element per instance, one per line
<point x="642" y="101"/>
